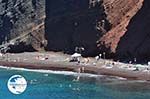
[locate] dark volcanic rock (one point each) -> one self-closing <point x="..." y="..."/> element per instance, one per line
<point x="136" y="41"/>
<point x="75" y="23"/>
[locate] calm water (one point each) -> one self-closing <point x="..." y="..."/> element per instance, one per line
<point x="59" y="86"/>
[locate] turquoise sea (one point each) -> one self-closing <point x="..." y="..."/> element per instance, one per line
<point x="64" y="86"/>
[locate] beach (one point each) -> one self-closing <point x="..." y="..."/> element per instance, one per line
<point x="60" y="62"/>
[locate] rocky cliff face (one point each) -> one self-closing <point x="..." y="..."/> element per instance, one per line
<point x="136" y="40"/>
<point x="96" y="25"/>
<point x="23" y="21"/>
<point x="117" y="27"/>
<point x="119" y="12"/>
<point x="75" y="23"/>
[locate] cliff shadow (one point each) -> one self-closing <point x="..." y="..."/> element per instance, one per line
<point x="5" y="27"/>
<point x="74" y="23"/>
<point x="136" y="41"/>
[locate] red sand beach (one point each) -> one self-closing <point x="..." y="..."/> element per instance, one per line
<point x="60" y="62"/>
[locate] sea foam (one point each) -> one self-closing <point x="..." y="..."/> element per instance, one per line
<point x="52" y="72"/>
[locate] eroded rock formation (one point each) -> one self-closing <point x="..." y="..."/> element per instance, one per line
<point x="22" y="21"/>
<point x="119" y="12"/>
<point x="75" y="23"/>
<point x="135" y="43"/>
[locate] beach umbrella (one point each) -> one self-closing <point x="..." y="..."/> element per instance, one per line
<point x="1" y="54"/>
<point x="97" y="57"/>
<point x="149" y="63"/>
<point x="76" y="55"/>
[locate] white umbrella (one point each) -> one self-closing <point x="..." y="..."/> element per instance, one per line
<point x="1" y="54"/>
<point x="148" y="63"/>
<point x="76" y="55"/>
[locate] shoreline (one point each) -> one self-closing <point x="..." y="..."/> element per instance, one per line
<point x="54" y="72"/>
<point x="99" y="69"/>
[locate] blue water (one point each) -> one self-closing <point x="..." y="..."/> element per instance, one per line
<point x="59" y="86"/>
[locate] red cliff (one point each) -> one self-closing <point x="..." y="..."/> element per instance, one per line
<point x="118" y="27"/>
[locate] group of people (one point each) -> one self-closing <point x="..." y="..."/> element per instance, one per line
<point x="76" y="57"/>
<point x="41" y="58"/>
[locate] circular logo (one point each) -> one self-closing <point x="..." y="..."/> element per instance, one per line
<point x="17" y="84"/>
